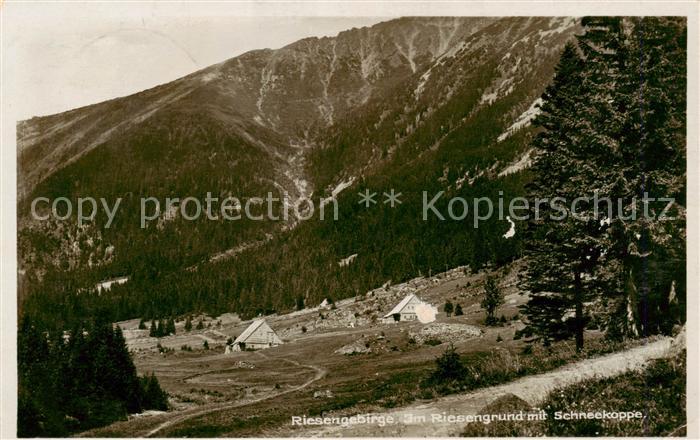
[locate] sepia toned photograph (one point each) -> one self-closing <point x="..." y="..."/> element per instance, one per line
<point x="238" y="221"/>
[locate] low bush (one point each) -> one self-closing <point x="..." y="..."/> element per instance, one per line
<point x="432" y="342"/>
<point x="482" y="369"/>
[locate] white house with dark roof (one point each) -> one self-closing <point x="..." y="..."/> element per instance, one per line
<point x="404" y="311"/>
<point x="258" y="335"/>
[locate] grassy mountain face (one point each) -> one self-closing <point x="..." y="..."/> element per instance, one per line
<point x="491" y="77"/>
<point x="415" y="104"/>
<point x="279" y="94"/>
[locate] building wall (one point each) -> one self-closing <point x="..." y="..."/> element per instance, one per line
<point x="257" y="346"/>
<point x="408" y="313"/>
<point x="262" y="337"/>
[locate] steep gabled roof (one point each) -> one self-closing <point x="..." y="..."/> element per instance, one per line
<point x="400" y="306"/>
<point x="249" y="331"/>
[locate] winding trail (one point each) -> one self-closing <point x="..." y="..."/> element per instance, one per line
<point x="187" y="415"/>
<point x="409" y="422"/>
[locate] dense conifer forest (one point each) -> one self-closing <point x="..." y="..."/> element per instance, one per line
<point x="79" y="379"/>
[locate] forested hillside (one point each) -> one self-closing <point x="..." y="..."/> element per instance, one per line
<point x="432" y="119"/>
<point x="457" y="122"/>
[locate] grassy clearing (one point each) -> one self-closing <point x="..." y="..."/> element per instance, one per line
<point x="386" y="392"/>
<point x="392" y="388"/>
<point x="499" y="365"/>
<point x="658" y="392"/>
<point x="473" y="370"/>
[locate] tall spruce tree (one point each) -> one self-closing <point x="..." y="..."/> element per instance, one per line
<point x="651" y="98"/>
<point x="170" y="328"/>
<point x="563" y="246"/>
<point x="613" y="121"/>
<point x="493" y="298"/>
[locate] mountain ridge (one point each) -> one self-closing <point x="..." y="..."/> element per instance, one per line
<point x="243" y="88"/>
<point x="428" y="114"/>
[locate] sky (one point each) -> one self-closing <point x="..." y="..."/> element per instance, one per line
<point x="57" y="62"/>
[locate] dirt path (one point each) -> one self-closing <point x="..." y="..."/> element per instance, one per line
<point x="186" y="415"/>
<point x="533" y="389"/>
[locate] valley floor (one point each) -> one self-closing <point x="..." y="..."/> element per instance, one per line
<point x="257" y="393"/>
<point x="531" y="389"/>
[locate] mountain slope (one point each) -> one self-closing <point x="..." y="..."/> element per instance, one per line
<point x="270" y="95"/>
<point x="417" y="104"/>
<point x="499" y="70"/>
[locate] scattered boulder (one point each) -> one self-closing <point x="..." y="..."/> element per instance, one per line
<point x="244" y="365"/>
<point x="357" y="347"/>
<point x="376" y="343"/>
<point x="327" y="394"/>
<point x="445" y="333"/>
